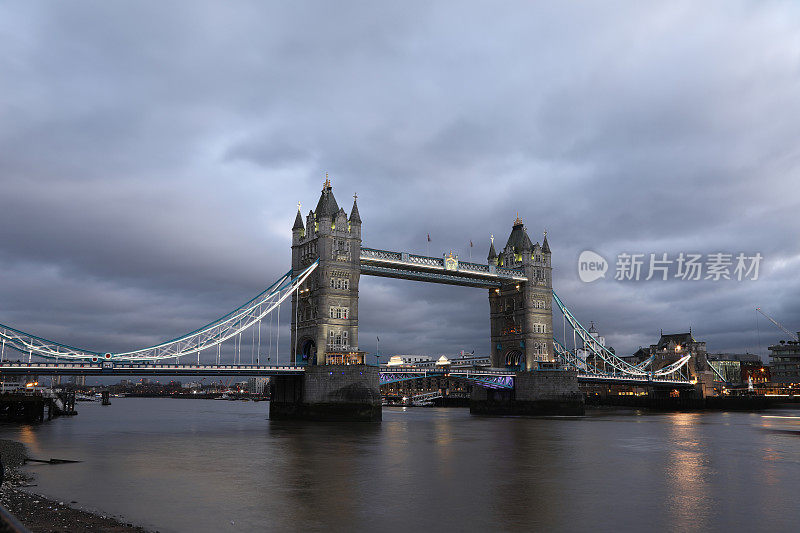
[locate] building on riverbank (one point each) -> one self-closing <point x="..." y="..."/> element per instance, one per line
<point x="673" y="346"/>
<point x="739" y="367"/>
<point x="785" y="361"/>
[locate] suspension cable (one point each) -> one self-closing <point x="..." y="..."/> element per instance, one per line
<point x="296" y="323"/>
<point x="269" y="357"/>
<point x="278" y="342"/>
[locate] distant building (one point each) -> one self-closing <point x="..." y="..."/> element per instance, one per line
<point x="671" y="347"/>
<point x="397" y="360"/>
<point x="12" y="383"/>
<point x="737" y="367"/>
<point x="596" y="344"/>
<point x="639" y="356"/>
<point x="785" y="361"/>
<point x="757" y="370"/>
<point x="257" y="385"/>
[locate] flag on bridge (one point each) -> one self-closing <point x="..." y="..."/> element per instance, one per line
<point x="470" y="243"/>
<point x="429" y="237"/>
<point x="379" y="339"/>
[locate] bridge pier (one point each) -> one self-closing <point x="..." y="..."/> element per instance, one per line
<point x="328" y="392"/>
<point x="536" y="392"/>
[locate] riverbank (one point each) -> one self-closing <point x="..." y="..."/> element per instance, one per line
<point x="39" y="513"/>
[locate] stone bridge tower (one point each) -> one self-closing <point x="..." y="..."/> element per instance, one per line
<point x="325" y="313"/>
<point x="521" y="314"/>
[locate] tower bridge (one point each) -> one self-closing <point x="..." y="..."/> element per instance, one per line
<point x="327" y="376"/>
<point x="325" y="310"/>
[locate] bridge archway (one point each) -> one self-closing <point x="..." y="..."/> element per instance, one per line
<point x="308" y="351"/>
<point x="515" y="360"/>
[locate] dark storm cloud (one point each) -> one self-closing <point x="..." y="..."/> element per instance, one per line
<point x="151" y="157"/>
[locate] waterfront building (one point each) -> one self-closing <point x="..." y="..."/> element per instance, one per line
<point x="13" y="383"/>
<point x="738" y="367"/>
<point x="757" y="370"/>
<point x="673" y="346"/>
<point x="785" y="361"/>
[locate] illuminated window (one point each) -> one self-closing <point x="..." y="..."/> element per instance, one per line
<point x="338" y="312"/>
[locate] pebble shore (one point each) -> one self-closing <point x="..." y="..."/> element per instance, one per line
<point x="43" y="515"/>
<point x="40" y="514"/>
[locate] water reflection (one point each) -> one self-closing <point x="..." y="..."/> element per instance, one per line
<point x="194" y="465"/>
<point x="687" y="473"/>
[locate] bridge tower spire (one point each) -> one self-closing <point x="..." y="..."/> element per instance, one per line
<point x="521" y="313"/>
<point x="325" y="312"/>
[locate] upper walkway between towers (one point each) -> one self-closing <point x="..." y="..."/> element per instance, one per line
<point x="448" y="269"/>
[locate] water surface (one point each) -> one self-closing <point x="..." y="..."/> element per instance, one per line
<point x="203" y="465"/>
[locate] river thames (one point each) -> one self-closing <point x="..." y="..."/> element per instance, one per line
<point x="201" y="465"/>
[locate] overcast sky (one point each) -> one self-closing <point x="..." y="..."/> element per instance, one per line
<point x="152" y="155"/>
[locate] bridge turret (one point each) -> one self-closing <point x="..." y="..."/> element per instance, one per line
<point x="492" y="258"/>
<point x="325" y="314"/>
<point x="311" y="224"/>
<point x="521" y="313"/>
<point x="518" y="247"/>
<point x="355" y="219"/>
<point x="298" y="230"/>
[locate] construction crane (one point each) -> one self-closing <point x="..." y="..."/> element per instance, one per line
<point x="792" y="334"/>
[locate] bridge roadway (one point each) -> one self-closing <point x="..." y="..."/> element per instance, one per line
<point x="498" y="378"/>
<point x="503" y="378"/>
<point x="107" y="368"/>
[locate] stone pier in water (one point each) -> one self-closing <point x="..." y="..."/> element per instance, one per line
<point x="328" y="392"/>
<point x="536" y="392"/>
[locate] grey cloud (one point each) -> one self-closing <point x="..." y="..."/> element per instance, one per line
<point x="151" y="157"/>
